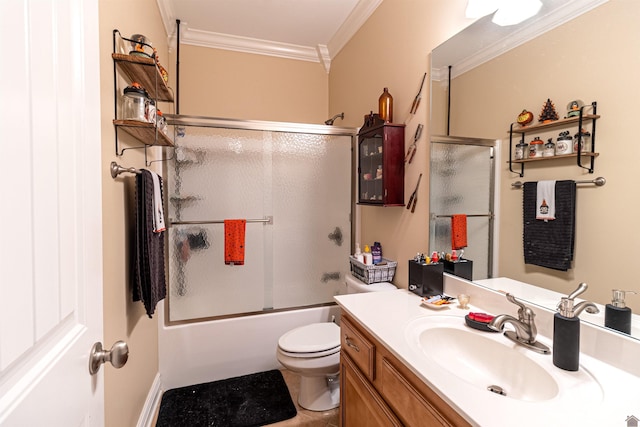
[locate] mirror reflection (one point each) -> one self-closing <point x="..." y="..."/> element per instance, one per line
<point x="591" y="58"/>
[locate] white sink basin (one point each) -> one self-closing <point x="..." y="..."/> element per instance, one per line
<point x="492" y="363"/>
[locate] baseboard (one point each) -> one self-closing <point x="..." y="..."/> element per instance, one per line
<point x="152" y="404"/>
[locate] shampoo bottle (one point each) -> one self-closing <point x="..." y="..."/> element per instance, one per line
<point x="617" y="315"/>
<point x="566" y="330"/>
<point x="368" y="258"/>
<point x="358" y="255"/>
<point x="376" y="252"/>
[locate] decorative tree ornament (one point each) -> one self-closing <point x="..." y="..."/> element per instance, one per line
<point x="548" y="113"/>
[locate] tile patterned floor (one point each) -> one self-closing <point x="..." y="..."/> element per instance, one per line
<point x="305" y="418"/>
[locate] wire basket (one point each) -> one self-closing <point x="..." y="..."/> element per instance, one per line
<point x="373" y="273"/>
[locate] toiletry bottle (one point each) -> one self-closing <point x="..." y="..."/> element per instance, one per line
<point x="385" y="106"/>
<point x="358" y="255"/>
<point x="617" y="315"/>
<point x="566" y="330"/>
<point x="368" y="257"/>
<point x="376" y="252"/>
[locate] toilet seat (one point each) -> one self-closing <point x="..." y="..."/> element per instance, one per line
<point x="314" y="340"/>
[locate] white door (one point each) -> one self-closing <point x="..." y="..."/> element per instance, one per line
<point x="50" y="215"/>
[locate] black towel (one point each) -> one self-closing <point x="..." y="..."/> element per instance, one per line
<point x="149" y="284"/>
<point x="550" y="244"/>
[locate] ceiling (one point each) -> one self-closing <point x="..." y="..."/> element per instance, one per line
<point x="309" y="30"/>
<point x="484" y="40"/>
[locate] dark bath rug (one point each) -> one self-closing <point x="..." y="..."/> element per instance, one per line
<point x="249" y="400"/>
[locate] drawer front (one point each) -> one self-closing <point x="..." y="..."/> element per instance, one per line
<point x="360" y="349"/>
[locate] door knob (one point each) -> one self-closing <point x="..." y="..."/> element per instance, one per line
<point x="117" y="355"/>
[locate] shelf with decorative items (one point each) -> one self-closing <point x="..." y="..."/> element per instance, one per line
<point x="137" y="114"/>
<point x="581" y="147"/>
<point x="380" y="162"/>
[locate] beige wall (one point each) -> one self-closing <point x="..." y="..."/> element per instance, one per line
<point x="222" y="83"/>
<point x="391" y="50"/>
<point x="125" y="389"/>
<point x="591" y="58"/>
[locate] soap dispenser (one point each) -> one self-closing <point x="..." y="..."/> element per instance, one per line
<point x="566" y="330"/>
<point x="617" y="315"/>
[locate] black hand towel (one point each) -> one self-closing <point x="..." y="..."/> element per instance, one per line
<point x="149" y="284"/>
<point x="550" y="243"/>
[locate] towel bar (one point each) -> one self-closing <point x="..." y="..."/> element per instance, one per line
<point x="266" y="220"/>
<point x="116" y="170"/>
<point x="599" y="181"/>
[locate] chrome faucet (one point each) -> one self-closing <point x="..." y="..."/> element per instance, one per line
<point x="525" y="328"/>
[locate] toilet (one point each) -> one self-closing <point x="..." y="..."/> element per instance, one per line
<point x="313" y="352"/>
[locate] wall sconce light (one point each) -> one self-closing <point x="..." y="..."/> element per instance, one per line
<point x="507" y="12"/>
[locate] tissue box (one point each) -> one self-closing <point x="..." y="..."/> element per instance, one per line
<point x="461" y="268"/>
<point x="426" y="279"/>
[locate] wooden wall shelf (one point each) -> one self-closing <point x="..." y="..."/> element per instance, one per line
<point x="144" y="71"/>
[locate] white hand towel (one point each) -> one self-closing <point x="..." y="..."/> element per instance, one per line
<point x="546" y="200"/>
<point x="158" y="210"/>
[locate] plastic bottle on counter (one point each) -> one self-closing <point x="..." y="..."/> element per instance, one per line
<point x="368" y="257"/>
<point x="358" y="255"/>
<point x="376" y="252"/>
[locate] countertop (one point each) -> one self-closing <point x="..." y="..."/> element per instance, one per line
<point x="386" y="316"/>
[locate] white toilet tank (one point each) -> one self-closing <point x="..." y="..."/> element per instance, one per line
<point x="355" y="286"/>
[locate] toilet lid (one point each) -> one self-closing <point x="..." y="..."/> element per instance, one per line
<point x="311" y="338"/>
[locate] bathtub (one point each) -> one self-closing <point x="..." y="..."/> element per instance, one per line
<point x="206" y="351"/>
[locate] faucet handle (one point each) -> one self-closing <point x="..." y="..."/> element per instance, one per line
<point x="523" y="311"/>
<point x="581" y="288"/>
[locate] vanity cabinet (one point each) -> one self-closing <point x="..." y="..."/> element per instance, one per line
<point x="575" y="124"/>
<point x="377" y="389"/>
<point x="380" y="163"/>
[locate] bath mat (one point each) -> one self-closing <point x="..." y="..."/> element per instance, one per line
<point x="249" y="400"/>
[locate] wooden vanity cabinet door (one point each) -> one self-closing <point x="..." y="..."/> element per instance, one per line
<point x="358" y="347"/>
<point x="360" y="403"/>
<point x="414" y="409"/>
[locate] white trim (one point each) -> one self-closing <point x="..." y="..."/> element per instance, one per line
<point x="248" y="45"/>
<point x="325" y="57"/>
<point x="322" y="53"/>
<point x="151" y="404"/>
<point x="532" y="29"/>
<point x="363" y="10"/>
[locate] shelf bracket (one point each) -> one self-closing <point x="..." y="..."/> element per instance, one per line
<point x="593" y="106"/>
<point x="521" y="173"/>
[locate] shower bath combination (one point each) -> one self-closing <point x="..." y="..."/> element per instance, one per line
<point x="261" y="172"/>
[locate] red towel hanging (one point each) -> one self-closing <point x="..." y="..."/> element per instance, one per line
<point x="458" y="231"/>
<point x="234" y="230"/>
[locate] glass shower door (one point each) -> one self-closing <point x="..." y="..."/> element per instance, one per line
<point x="462" y="182"/>
<point x="293" y="188"/>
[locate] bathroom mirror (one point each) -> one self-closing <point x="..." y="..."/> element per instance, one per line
<point x="585" y="53"/>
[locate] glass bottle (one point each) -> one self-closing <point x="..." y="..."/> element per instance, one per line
<point x="385" y="106"/>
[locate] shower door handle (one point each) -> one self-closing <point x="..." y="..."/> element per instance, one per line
<point x="117" y="355"/>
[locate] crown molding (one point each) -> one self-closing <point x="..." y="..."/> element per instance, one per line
<point x="356" y="19"/>
<point x="321" y="53"/>
<point x="519" y="36"/>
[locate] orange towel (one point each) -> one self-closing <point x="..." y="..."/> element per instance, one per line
<point x="234" y="241"/>
<point x="458" y="231"/>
